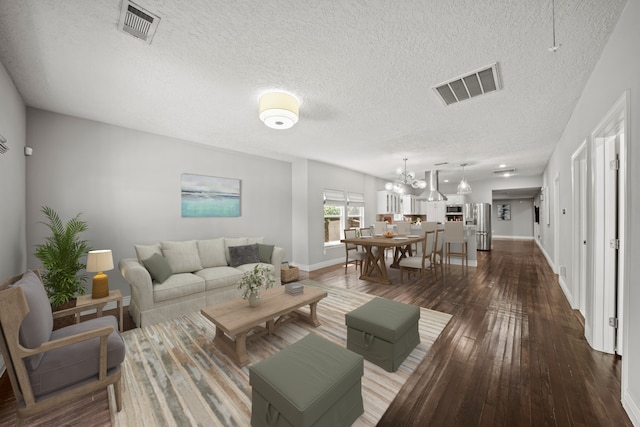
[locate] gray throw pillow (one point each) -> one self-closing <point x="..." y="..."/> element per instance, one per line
<point x="158" y="268"/>
<point x="246" y="254"/>
<point x="37" y="326"/>
<point x="265" y="252"/>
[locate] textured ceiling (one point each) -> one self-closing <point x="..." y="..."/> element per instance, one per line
<point x="363" y="71"/>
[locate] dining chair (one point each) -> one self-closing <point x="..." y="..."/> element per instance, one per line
<point x="403" y="228"/>
<point x="454" y="234"/>
<point x="366" y="232"/>
<point x="437" y="257"/>
<point x="420" y="262"/>
<point x="353" y="254"/>
<point x="379" y="228"/>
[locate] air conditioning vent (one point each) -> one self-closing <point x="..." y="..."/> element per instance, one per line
<point x="505" y="172"/>
<point x="479" y="82"/>
<point x="137" y="21"/>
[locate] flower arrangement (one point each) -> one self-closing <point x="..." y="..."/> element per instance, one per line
<point x="252" y="281"/>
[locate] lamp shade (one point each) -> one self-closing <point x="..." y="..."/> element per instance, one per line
<point x="279" y="110"/>
<point x="100" y="260"/>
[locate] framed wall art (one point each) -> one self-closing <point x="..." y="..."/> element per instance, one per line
<point x="504" y="212"/>
<point x="209" y="196"/>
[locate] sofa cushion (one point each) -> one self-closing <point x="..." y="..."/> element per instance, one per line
<point x="37" y="326"/>
<point x="177" y="286"/>
<point x="252" y="240"/>
<point x="219" y="277"/>
<point x="158" y="267"/>
<point x="212" y="253"/>
<point x="246" y="254"/>
<point x="238" y="241"/>
<point x="77" y="362"/>
<point x="145" y="251"/>
<point x="182" y="257"/>
<point x="265" y="252"/>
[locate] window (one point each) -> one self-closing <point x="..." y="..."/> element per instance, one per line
<point x="341" y="211"/>
<point x="334" y="222"/>
<point x="355" y="210"/>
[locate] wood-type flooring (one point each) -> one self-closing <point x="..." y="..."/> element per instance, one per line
<point x="514" y="353"/>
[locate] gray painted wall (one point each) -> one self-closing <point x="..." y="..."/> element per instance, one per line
<point x="617" y="71"/>
<point x="521" y="223"/>
<point x="12" y="179"/>
<point x="126" y="184"/>
<point x="12" y="183"/>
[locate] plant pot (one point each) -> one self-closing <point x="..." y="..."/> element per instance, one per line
<point x="254" y="299"/>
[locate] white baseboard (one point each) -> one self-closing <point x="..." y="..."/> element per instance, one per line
<point x="512" y="237"/>
<point x="546" y="255"/>
<point x="632" y="406"/>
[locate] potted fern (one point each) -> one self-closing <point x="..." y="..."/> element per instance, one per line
<point x="60" y="256"/>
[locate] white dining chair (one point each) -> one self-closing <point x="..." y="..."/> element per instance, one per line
<point x="454" y="234"/>
<point x="420" y="262"/>
<point x="353" y="254"/>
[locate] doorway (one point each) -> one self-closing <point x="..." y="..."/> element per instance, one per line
<point x="579" y="247"/>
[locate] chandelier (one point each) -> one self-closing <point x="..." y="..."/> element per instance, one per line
<point x="405" y="178"/>
<point x="464" y="187"/>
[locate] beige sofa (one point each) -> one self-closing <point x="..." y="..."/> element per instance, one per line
<point x="169" y="279"/>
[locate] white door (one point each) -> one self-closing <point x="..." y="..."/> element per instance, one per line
<point x="605" y="265"/>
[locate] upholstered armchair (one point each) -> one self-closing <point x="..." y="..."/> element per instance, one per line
<point x="47" y="367"/>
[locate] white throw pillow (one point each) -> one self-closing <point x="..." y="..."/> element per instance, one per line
<point x="212" y="252"/>
<point x="182" y="257"/>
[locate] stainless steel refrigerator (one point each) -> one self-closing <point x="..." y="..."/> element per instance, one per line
<point x="482" y="220"/>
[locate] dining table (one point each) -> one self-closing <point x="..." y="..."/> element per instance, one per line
<point x="374" y="267"/>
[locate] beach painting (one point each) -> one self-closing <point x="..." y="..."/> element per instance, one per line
<point x="206" y="196"/>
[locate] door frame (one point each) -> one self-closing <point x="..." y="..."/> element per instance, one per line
<point x="579" y="201"/>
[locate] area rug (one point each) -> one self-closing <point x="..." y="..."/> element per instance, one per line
<point x="174" y="375"/>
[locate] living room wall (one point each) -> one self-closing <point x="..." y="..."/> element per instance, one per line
<point x="126" y="185"/>
<point x="617" y="72"/>
<point x="12" y="182"/>
<point x="520" y="226"/>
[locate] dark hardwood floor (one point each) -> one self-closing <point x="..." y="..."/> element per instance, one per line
<point x="513" y="354"/>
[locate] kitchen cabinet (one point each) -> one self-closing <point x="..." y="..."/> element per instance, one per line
<point x="436" y="211"/>
<point x="455" y="199"/>
<point x="389" y="202"/>
<point x="412" y="206"/>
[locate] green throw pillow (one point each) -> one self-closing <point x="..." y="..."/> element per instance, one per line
<point x="158" y="267"/>
<point x="264" y="252"/>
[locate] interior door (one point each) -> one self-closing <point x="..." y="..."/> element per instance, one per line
<point x="605" y="246"/>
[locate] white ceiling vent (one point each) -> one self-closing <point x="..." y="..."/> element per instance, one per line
<point x="505" y="172"/>
<point x="479" y="82"/>
<point x="138" y="21"/>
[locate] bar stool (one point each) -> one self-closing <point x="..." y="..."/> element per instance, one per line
<point x="454" y="233"/>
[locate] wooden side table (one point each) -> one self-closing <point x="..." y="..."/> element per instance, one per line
<point x="88" y="303"/>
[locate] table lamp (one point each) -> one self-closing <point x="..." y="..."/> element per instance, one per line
<point x="99" y="261"/>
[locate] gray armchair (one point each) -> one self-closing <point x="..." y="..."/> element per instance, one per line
<point x="47" y="367"/>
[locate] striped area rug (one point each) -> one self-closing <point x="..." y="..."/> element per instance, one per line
<point x="175" y="376"/>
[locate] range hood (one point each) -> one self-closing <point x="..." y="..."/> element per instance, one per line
<point x="432" y="194"/>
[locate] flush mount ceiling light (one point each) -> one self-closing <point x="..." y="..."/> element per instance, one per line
<point x="279" y="110"/>
<point x="405" y="178"/>
<point x="464" y="187"/>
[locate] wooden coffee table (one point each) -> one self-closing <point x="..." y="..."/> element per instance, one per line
<point x="236" y="322"/>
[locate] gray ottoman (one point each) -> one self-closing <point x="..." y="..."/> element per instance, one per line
<point x="313" y="382"/>
<point x="383" y="331"/>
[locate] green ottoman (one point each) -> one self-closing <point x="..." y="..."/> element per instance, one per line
<point x="313" y="382"/>
<point x="383" y="331"/>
